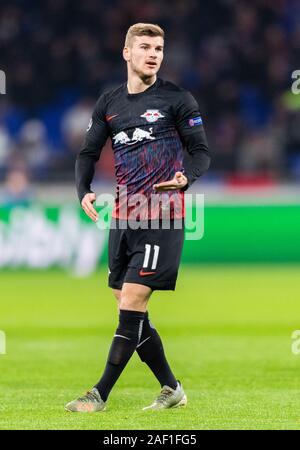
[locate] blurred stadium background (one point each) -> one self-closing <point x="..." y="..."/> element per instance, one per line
<point x="237" y="58"/>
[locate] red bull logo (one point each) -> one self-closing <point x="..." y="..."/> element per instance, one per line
<point x="137" y="136"/>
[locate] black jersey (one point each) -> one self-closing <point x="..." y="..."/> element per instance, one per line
<point x="149" y="132"/>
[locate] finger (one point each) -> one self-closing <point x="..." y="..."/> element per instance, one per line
<point x="164" y="183"/>
<point x="90" y="215"/>
<point x="89" y="206"/>
<point x="169" y="187"/>
<point x="178" y="175"/>
<point x="166" y="188"/>
<point x="90" y="211"/>
<point x="93" y="214"/>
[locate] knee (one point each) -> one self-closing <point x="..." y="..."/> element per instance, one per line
<point x="134" y="297"/>
<point x="133" y="303"/>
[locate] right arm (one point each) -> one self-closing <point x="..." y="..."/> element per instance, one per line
<point x="96" y="136"/>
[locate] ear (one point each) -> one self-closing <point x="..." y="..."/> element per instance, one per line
<point x="126" y="54"/>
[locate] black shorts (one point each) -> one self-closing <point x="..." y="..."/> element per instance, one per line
<point x="145" y="256"/>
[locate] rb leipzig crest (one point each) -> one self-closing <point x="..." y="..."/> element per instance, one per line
<point x="152" y="115"/>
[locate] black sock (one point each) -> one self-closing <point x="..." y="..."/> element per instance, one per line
<point x="122" y="348"/>
<point x="151" y="351"/>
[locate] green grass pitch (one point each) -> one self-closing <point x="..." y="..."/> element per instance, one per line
<point x="227" y="334"/>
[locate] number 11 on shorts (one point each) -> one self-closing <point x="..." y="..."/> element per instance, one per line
<point x="148" y="248"/>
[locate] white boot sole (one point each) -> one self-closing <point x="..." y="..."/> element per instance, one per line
<point x="182" y="403"/>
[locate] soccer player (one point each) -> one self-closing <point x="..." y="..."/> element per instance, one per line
<point x="160" y="149"/>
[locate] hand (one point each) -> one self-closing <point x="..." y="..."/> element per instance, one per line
<point x="87" y="206"/>
<point x="178" y="182"/>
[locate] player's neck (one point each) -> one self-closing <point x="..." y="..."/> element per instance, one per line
<point x="135" y="84"/>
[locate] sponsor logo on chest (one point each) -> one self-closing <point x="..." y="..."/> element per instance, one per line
<point x="137" y="136"/>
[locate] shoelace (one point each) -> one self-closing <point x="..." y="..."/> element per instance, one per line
<point x="89" y="396"/>
<point x="164" y="394"/>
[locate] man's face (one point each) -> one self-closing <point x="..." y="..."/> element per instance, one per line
<point x="145" y="55"/>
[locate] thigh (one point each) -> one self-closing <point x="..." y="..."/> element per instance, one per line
<point x="154" y="257"/>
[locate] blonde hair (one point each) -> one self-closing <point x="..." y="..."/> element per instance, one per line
<point x="143" y="29"/>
